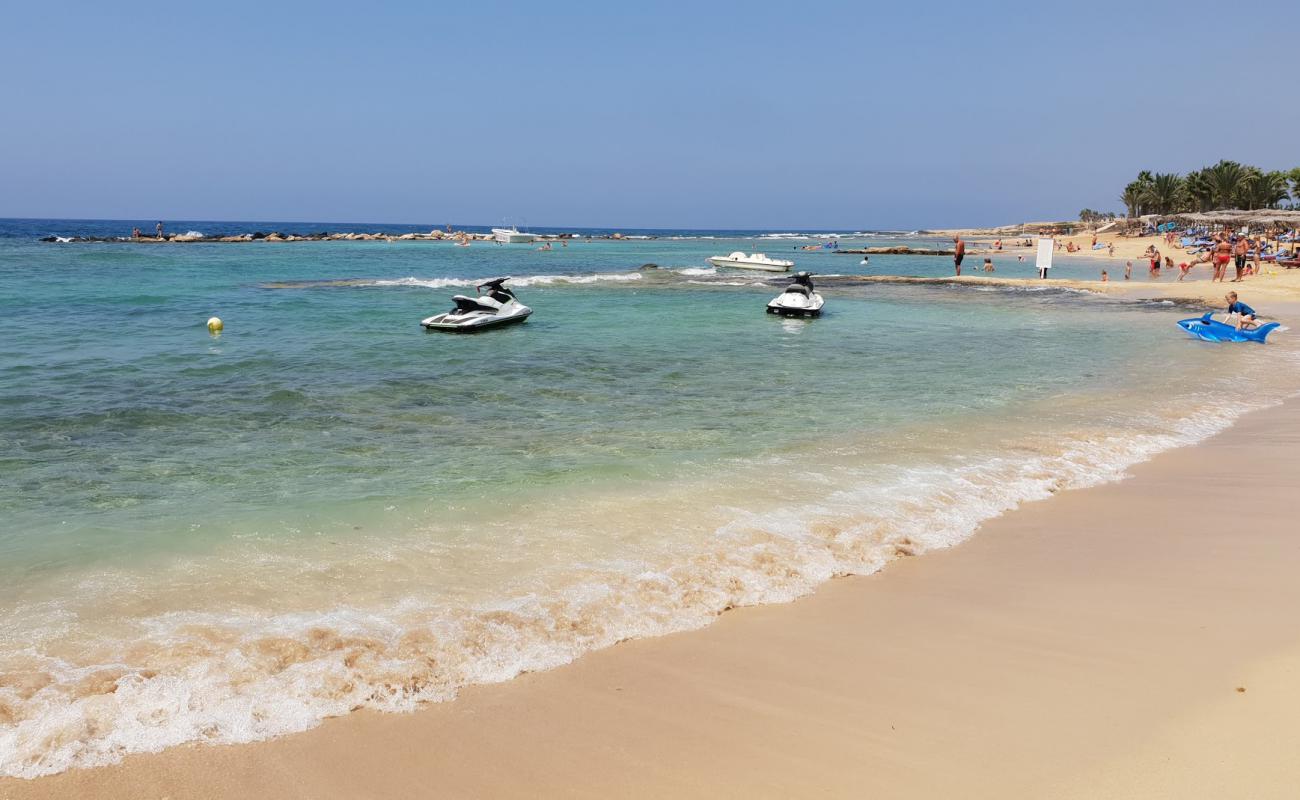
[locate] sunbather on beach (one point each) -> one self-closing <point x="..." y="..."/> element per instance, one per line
<point x="1244" y="313"/>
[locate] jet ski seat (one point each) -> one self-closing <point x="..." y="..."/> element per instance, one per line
<point x="465" y="304"/>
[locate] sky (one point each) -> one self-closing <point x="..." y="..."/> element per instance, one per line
<point x="653" y="115"/>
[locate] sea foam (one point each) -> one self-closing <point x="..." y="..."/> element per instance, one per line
<point x="228" y="678"/>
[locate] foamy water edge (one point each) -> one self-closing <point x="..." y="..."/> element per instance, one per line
<point x="362" y="662"/>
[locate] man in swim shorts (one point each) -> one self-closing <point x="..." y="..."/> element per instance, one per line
<point x="958" y="254"/>
<point x="1245" y="314"/>
<point x="1239" y="257"/>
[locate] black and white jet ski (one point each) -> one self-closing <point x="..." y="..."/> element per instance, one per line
<point x="798" y="300"/>
<point x="495" y="305"/>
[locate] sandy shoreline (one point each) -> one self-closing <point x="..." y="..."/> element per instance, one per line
<point x="1088" y="645"/>
<point x="1281" y="288"/>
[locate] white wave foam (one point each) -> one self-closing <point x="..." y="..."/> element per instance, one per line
<point x="529" y="280"/>
<point x="698" y="271"/>
<point x="265" y="675"/>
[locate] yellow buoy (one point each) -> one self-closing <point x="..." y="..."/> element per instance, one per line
<point x="215" y="325"/>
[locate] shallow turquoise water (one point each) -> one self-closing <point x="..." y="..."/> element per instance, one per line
<point x="128" y="423"/>
<point x="325" y="464"/>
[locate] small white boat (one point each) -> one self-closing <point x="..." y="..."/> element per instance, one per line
<point x="512" y="235"/>
<point x="739" y="260"/>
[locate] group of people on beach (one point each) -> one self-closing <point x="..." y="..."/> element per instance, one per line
<point x="1226" y="248"/>
<point x="1235" y="249"/>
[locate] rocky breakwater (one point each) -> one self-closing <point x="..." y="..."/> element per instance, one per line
<point x="901" y="250"/>
<point x="274" y="236"/>
<point x="320" y="236"/>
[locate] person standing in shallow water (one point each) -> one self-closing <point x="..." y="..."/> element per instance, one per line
<point x="958" y="254"/>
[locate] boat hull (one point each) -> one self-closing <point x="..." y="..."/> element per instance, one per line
<point x="794" y="312"/>
<point x="507" y="236"/>
<point x="473" y="325"/>
<point x="727" y="263"/>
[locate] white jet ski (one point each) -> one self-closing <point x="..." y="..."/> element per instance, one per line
<point x="495" y="305"/>
<point x="798" y="300"/>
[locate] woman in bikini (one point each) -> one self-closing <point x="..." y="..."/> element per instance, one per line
<point x="1222" y="255"/>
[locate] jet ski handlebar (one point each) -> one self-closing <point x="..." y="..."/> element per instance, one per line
<point x="495" y="283"/>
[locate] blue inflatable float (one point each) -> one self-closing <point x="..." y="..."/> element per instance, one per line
<point x="1211" y="330"/>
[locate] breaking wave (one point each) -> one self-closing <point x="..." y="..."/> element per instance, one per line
<point x="224" y="677"/>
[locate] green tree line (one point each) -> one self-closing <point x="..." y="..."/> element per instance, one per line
<point x="1227" y="184"/>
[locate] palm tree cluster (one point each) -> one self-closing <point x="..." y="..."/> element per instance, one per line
<point x="1227" y="184"/>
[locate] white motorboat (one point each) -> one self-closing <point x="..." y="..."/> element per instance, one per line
<point x="495" y="305"/>
<point x="799" y="299"/>
<point x="512" y="235"/>
<point x="739" y="260"/>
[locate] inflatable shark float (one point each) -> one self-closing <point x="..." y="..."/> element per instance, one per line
<point x="1211" y="330"/>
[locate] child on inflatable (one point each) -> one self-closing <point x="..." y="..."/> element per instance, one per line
<point x="1245" y="314"/>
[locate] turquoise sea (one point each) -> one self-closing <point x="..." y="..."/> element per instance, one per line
<point x="324" y="508"/>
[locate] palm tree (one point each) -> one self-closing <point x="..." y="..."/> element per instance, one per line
<point x="1294" y="177"/>
<point x="1164" y="193"/>
<point x="1227" y="179"/>
<point x="1198" y="192"/>
<point x="1263" y="189"/>
<point x="1132" y="198"/>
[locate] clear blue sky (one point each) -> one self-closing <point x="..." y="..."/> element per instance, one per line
<point x="813" y="114"/>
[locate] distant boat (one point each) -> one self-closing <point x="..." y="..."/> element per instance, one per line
<point x="512" y="235"/>
<point x="739" y="260"/>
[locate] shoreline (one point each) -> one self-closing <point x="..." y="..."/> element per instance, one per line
<point x="1115" y="608"/>
<point x="1283" y="287"/>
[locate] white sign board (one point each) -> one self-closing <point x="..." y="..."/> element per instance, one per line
<point x="1045" y="253"/>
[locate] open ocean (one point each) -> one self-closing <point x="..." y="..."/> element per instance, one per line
<point x="324" y="508"/>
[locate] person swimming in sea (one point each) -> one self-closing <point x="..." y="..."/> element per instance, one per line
<point x="1246" y="317"/>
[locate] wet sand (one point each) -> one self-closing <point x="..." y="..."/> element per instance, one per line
<point x="1137" y="639"/>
